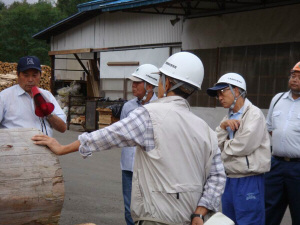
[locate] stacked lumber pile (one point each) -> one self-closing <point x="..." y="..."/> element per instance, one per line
<point x="45" y="81"/>
<point x="8" y="76"/>
<point x="105" y="117"/>
<point x="80" y="120"/>
<point x="8" y="80"/>
<point x="6" y="67"/>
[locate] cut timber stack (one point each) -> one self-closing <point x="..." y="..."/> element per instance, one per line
<point x="8" y="80"/>
<point x="8" y="76"/>
<point x="31" y="181"/>
<point x="6" y="67"/>
<point x="78" y="120"/>
<point x="45" y="81"/>
<point x="105" y="117"/>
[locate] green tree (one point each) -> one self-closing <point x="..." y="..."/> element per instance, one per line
<point x="19" y="22"/>
<point x="2" y="5"/>
<point x="69" y="7"/>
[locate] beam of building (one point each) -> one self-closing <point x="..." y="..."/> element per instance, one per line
<point x="83" y="67"/>
<point x="73" y="51"/>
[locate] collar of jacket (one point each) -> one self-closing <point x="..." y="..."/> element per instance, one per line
<point x="179" y="100"/>
<point x="247" y="105"/>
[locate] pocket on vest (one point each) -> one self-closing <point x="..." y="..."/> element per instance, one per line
<point x="177" y="205"/>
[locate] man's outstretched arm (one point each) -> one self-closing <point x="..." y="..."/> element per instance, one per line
<point x="54" y="146"/>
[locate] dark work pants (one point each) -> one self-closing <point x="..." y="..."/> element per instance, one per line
<point x="282" y="188"/>
<point x="127" y="186"/>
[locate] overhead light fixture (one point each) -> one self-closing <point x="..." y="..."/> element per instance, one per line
<point x="174" y="21"/>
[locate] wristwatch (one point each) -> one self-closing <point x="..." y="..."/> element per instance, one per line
<point x="197" y="215"/>
<point x="49" y="116"/>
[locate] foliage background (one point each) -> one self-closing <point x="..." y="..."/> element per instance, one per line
<point x="21" y="20"/>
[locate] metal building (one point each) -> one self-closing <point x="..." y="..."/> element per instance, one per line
<point x="258" y="38"/>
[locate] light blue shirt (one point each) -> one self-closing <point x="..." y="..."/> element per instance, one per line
<point x="234" y="116"/>
<point x="17" y="110"/>
<point x="284" y="122"/>
<point x="127" y="155"/>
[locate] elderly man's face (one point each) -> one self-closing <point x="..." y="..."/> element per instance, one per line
<point x="226" y="97"/>
<point x="138" y="89"/>
<point x="29" y="78"/>
<point x="294" y="81"/>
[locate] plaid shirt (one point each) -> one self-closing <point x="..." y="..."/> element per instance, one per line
<point x="137" y="129"/>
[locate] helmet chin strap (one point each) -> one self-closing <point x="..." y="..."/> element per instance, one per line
<point x="145" y="96"/>
<point x="235" y="98"/>
<point x="147" y="92"/>
<point x="163" y="77"/>
<point x="172" y="88"/>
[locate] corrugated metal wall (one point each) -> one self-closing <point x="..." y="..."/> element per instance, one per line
<point x="265" y="26"/>
<point x="264" y="67"/>
<point x="262" y="45"/>
<point x="119" y="29"/>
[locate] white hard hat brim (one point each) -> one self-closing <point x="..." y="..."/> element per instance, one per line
<point x="135" y="79"/>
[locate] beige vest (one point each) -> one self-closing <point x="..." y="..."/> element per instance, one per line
<point x="168" y="181"/>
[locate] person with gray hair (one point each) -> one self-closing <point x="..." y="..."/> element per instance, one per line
<point x="144" y="79"/>
<point x="245" y="151"/>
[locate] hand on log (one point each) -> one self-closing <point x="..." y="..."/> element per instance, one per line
<point x="54" y="146"/>
<point x="52" y="143"/>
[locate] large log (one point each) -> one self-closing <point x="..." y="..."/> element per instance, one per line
<point x="31" y="181"/>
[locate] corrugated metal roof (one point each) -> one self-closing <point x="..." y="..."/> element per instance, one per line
<point x="110" y="5"/>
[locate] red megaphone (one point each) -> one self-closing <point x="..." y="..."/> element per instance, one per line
<point x="42" y="108"/>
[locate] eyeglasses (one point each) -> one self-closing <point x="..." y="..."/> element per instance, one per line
<point x="294" y="76"/>
<point x="221" y="92"/>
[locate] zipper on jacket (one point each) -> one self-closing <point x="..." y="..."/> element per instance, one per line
<point x="247" y="161"/>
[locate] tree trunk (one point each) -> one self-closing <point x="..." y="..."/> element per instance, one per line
<point x="31" y="181"/>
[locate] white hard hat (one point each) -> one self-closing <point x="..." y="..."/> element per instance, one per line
<point x="234" y="79"/>
<point x="186" y="67"/>
<point x="146" y="72"/>
<point x="218" y="219"/>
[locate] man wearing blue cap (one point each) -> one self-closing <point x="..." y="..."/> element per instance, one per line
<point x="17" y="107"/>
<point x="245" y="151"/>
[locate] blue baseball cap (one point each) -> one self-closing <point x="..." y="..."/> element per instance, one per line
<point x="29" y="62"/>
<point x="213" y="90"/>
